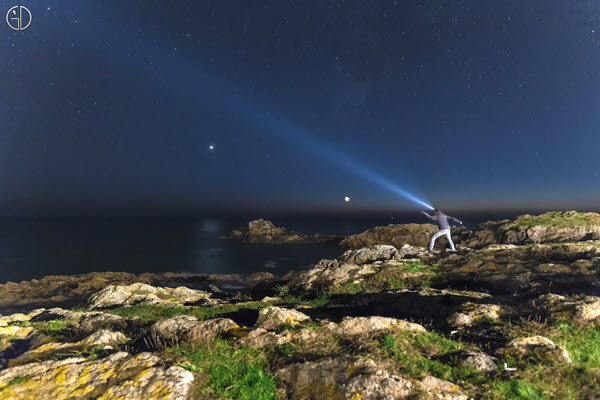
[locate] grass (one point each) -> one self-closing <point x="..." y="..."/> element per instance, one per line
<point x="236" y="373"/>
<point x="557" y="219"/>
<point x="154" y="313"/>
<point x="19" y="379"/>
<point x="54" y="328"/>
<point x="518" y="389"/>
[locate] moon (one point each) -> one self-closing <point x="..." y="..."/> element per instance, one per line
<point x="211" y="147"/>
<point x="346" y="199"/>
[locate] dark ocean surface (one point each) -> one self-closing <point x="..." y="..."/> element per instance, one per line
<point x="34" y="248"/>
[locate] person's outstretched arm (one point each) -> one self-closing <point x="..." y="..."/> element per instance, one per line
<point x="427" y="215"/>
<point x="455" y="220"/>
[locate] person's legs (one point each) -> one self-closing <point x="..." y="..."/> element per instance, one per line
<point x="434" y="237"/>
<point x="450" y="239"/>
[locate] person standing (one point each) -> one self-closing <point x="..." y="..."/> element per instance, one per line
<point x="443" y="226"/>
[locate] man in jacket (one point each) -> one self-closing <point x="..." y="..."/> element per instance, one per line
<point x="443" y="226"/>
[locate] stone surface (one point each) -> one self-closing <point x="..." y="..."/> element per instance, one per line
<point x="273" y="317"/>
<point x="537" y="348"/>
<point x="118" y="376"/>
<point x="470" y="313"/>
<point x="373" y="325"/>
<point x="141" y="293"/>
<point x="582" y="309"/>
<point x="186" y="327"/>
<point x="396" y="235"/>
<point x="343" y="378"/>
<point x="262" y="231"/>
<point x="440" y="389"/>
<point x="478" y="360"/>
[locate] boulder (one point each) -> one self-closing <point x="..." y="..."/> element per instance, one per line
<point x="582" y="309"/>
<point x="440" y="389"/>
<point x="537" y="348"/>
<point x="54" y="350"/>
<point x="470" y="313"/>
<point x="188" y="328"/>
<point x="271" y="318"/>
<point x="478" y="360"/>
<point x="260" y="338"/>
<point x="141" y="293"/>
<point x="373" y="325"/>
<point x="343" y="378"/>
<point x="118" y="376"/>
<point x="369" y="255"/>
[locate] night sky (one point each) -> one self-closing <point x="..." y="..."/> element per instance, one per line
<point x="188" y="107"/>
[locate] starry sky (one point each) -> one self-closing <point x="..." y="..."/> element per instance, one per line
<point x="168" y="108"/>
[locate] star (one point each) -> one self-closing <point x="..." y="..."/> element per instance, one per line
<point x="211" y="147"/>
<point x="346" y="199"/>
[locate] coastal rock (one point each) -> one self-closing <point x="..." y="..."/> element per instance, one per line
<point x="396" y="235"/>
<point x="93" y="321"/>
<point x="118" y="376"/>
<point x="188" y="328"/>
<point x="343" y="378"/>
<point x="470" y="313"/>
<point x="262" y="231"/>
<point x="537" y="348"/>
<point x="440" y="389"/>
<point x="582" y="309"/>
<point x="271" y="318"/>
<point x="369" y="255"/>
<point x="478" y="360"/>
<point x="141" y="293"/>
<point x="54" y="350"/>
<point x="262" y="339"/>
<point x="373" y="325"/>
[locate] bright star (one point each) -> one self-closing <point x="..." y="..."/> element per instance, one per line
<point x="347" y="199"/>
<point x="211" y="147"/>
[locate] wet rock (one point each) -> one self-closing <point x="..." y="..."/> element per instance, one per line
<point x="188" y="328"/>
<point x="117" y="376"/>
<point x="537" y="348"/>
<point x="440" y="389"/>
<point x="43" y="315"/>
<point x="140" y="293"/>
<point x="343" y="378"/>
<point x="271" y="318"/>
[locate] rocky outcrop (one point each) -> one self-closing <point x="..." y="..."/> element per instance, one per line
<point x="470" y="313"/>
<point x="396" y="235"/>
<point x="141" y="293"/>
<point x="350" y="326"/>
<point x="117" y="376"/>
<point x="186" y="327"/>
<point x="581" y="309"/>
<point x="261" y="231"/>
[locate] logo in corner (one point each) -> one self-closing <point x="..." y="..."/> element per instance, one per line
<point x="18" y="18"/>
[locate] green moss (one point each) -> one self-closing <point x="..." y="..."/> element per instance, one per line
<point x="19" y="379"/>
<point x="236" y="373"/>
<point x="54" y="328"/>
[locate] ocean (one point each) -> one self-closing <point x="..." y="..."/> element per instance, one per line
<point x="33" y="248"/>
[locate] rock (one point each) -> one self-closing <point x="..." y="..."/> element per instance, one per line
<point x="373" y="325"/>
<point x="343" y="378"/>
<point x="584" y="309"/>
<point x="262" y="339"/>
<point x="478" y="360"/>
<point x="261" y="231"/>
<point x="44" y="315"/>
<point x="103" y="339"/>
<point x="93" y="321"/>
<point x="268" y="299"/>
<point x="118" y="376"/>
<point x="273" y="317"/>
<point x="188" y="328"/>
<point x="440" y="389"/>
<point x="395" y="235"/>
<point x="141" y="293"/>
<point x="369" y="255"/>
<point x="537" y="348"/>
<point x="470" y="313"/>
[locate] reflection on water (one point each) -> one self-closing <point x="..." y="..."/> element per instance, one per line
<point x="33" y="248"/>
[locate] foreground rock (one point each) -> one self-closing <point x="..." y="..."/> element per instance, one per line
<point x="363" y="378"/>
<point x="188" y="328"/>
<point x="261" y="231"/>
<point x="274" y="317"/>
<point x="535" y="348"/>
<point x="118" y="376"/>
<point x="140" y="293"/>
